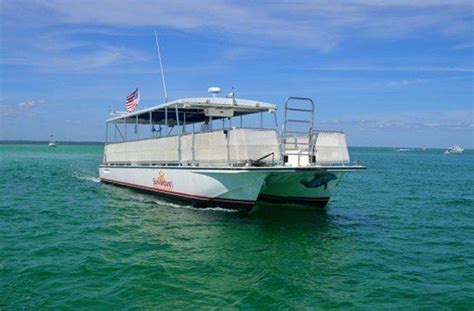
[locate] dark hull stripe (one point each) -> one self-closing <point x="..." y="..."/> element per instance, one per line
<point x="318" y="202"/>
<point x="199" y="201"/>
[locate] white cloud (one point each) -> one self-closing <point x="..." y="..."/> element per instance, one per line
<point x="57" y="53"/>
<point x="431" y="124"/>
<point x="50" y="34"/>
<point x="401" y="83"/>
<point x="318" y="23"/>
<point x="30" y="104"/>
<point x="448" y="120"/>
<point x="396" y="68"/>
<point x="24" y="107"/>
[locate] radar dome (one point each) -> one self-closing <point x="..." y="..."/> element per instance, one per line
<point x="214" y="90"/>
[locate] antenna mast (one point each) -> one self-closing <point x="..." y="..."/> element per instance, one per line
<point x="161" y="67"/>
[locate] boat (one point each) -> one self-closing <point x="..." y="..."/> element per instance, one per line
<point x="456" y="149"/>
<point x="51" y="142"/>
<point x="226" y="152"/>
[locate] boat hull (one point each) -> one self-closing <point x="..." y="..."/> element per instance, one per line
<point x="308" y="188"/>
<point x="232" y="187"/>
<point x="196" y="187"/>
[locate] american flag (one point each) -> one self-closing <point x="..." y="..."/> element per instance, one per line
<point x="132" y="101"/>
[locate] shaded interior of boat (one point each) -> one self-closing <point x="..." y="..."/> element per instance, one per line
<point x="222" y="132"/>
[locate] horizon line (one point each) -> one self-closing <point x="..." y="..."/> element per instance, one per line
<point x="93" y="142"/>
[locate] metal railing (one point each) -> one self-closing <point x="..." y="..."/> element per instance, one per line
<point x="288" y="133"/>
<point x="186" y="152"/>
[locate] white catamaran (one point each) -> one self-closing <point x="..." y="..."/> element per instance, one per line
<point x="233" y="159"/>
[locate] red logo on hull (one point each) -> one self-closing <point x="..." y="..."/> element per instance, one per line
<point x="161" y="182"/>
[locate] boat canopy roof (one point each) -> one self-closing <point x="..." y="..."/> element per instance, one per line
<point x="194" y="110"/>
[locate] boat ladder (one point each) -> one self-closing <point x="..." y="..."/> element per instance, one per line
<point x="298" y="128"/>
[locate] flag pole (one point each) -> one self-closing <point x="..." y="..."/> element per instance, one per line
<point x="161" y="67"/>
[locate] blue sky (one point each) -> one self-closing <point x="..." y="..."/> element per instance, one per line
<point x="388" y="73"/>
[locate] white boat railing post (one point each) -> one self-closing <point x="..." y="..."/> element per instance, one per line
<point x="166" y="124"/>
<point x="125" y="125"/>
<point x="299" y="157"/>
<point x="193" y="153"/>
<point x="310" y="145"/>
<point x="180" y="133"/>
<point x="151" y="125"/>
<point x="106" y="132"/>
<point x="227" y="145"/>
<point x="184" y="122"/>
<point x="314" y="137"/>
<point x="120" y="132"/>
<point x="280" y="144"/>
<point x="284" y="138"/>
<point x="136" y="127"/>
<point x="166" y="117"/>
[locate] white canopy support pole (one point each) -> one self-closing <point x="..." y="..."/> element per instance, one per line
<point x="177" y="115"/>
<point x="125" y="125"/>
<point x="193" y="151"/>
<point x="151" y="125"/>
<point x="180" y="129"/>
<point x="120" y="133"/>
<point x="136" y="127"/>
<point x="106" y="132"/>
<point x="184" y="122"/>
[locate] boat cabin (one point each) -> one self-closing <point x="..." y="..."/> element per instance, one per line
<point x="220" y="131"/>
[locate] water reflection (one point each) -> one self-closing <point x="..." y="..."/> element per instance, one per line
<point x="265" y="216"/>
<point x="291" y="219"/>
<point x="267" y="228"/>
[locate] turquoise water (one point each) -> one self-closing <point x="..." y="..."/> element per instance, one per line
<point x="397" y="236"/>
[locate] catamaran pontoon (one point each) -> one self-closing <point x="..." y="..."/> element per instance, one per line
<point x="225" y="164"/>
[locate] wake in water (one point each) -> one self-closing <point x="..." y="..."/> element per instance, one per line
<point x="216" y="209"/>
<point x="146" y="198"/>
<point x="88" y="178"/>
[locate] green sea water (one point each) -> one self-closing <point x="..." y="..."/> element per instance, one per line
<point x="397" y="236"/>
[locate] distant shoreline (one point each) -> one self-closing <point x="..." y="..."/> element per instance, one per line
<point x="45" y="142"/>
